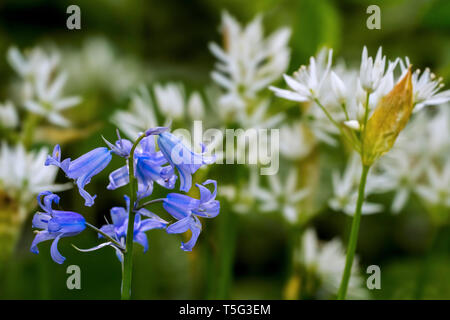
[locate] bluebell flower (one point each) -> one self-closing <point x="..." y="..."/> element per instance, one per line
<point x="55" y="224"/>
<point x="82" y="169"/>
<point x="118" y="229"/>
<point x="149" y="167"/>
<point x="187" y="210"/>
<point x="181" y="157"/>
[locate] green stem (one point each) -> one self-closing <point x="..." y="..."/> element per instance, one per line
<point x="128" y="255"/>
<point x="353" y="235"/>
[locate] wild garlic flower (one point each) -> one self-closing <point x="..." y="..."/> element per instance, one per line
<point x="345" y="189"/>
<point x="285" y="196"/>
<point x="23" y="175"/>
<point x="248" y="61"/>
<point x="326" y="262"/>
<point x="43" y="93"/>
<point x="9" y="119"/>
<point x="306" y="83"/>
<point x="33" y="61"/>
<point x="373" y="71"/>
<point x="426" y="87"/>
<point x="48" y="100"/>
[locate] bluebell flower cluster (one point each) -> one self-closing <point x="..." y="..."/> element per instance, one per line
<point x="162" y="160"/>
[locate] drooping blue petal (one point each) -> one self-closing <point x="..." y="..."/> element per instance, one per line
<point x="205" y="194"/>
<point x="141" y="238"/>
<point x="55" y="254"/>
<point x="120" y="214"/>
<point x="195" y="227"/>
<point x="40" y="237"/>
<point x="180" y="226"/>
<point x="118" y="178"/>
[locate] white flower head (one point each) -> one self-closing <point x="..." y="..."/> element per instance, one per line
<point x="426" y="87"/>
<point x="372" y="72"/>
<point x="307" y="82"/>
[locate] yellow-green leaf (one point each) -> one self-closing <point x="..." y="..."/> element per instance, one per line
<point x="389" y="118"/>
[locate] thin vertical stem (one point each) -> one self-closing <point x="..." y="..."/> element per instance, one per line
<point x="353" y="235"/>
<point x="128" y="255"/>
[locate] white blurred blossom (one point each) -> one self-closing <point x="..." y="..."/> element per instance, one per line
<point x="282" y="195"/>
<point x="296" y="141"/>
<point x="42" y="83"/>
<point x="23" y="174"/>
<point x="9" y="118"/>
<point x="248" y="61"/>
<point x="98" y="65"/>
<point x="326" y="261"/>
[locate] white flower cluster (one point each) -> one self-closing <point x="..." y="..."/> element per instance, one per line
<point x="349" y="97"/>
<point x="326" y="261"/>
<point x="248" y="61"/>
<point x="41" y="84"/>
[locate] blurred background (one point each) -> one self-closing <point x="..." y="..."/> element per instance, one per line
<point x="124" y="46"/>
